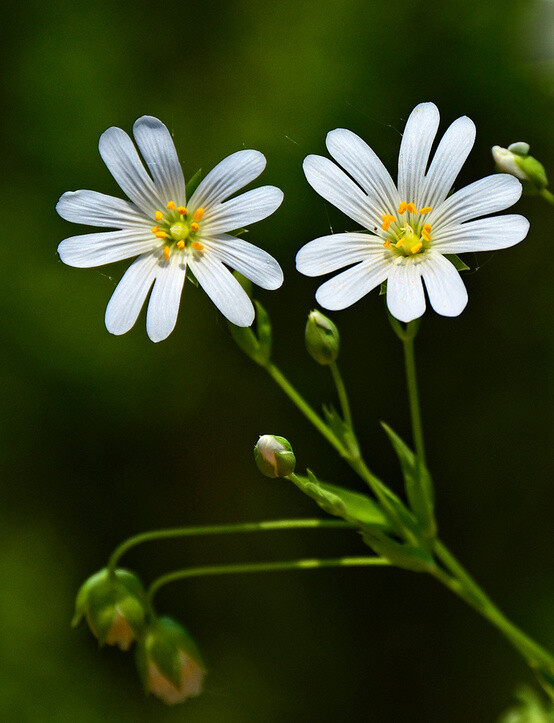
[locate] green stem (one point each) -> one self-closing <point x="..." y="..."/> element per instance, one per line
<point x="306" y="409"/>
<point x="547" y="195"/>
<point x="411" y="380"/>
<point x="460" y="582"/>
<point x="306" y="564"/>
<point x="343" y="397"/>
<point x="303" y="524"/>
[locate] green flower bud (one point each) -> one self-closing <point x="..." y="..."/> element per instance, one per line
<point x="516" y="160"/>
<point x="274" y="456"/>
<point x="114" y="607"/>
<point x="169" y="662"/>
<point x="322" y="338"/>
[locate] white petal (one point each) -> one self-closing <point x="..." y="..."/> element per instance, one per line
<point x="96" y="249"/>
<point x="448" y="160"/>
<point x="349" y="286"/>
<point x="486" y="234"/>
<point x="417" y="140"/>
<point x="446" y="290"/>
<point x="365" y="167"/>
<point x="165" y="298"/>
<point x="223" y="289"/>
<point x="158" y="150"/>
<point x="127" y="300"/>
<point x="405" y="297"/>
<point x="230" y="175"/>
<point x="488" y="195"/>
<point x="251" y="261"/>
<point x="335" y="186"/>
<point x="241" y="211"/>
<point x="123" y="162"/>
<point x="329" y="253"/>
<point x="97" y="209"/>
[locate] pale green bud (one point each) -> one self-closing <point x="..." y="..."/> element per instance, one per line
<point x="274" y="456"/>
<point x="114" y="607"/>
<point x="322" y="338"/>
<point x="516" y="160"/>
<point x="169" y="663"/>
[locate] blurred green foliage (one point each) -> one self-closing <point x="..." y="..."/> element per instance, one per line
<point x="103" y="437"/>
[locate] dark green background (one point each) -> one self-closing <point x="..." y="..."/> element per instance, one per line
<point x="104" y="437"/>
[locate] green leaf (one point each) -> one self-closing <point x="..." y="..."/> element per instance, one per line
<point x="383" y="288"/>
<point x="457" y="262"/>
<point x="192" y="183"/>
<point x="341" y="430"/>
<point x="418" y="483"/>
<point x="354" y="507"/>
<point x="408" y="557"/>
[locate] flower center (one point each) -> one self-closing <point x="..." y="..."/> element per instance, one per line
<point x="177" y="229"/>
<point x="407" y="236"/>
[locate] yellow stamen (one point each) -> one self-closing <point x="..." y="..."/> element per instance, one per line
<point x="417" y="248"/>
<point x="198" y="214"/>
<point x="154" y="229"/>
<point x="427" y="227"/>
<point x="402" y="208"/>
<point x="399" y="243"/>
<point x="426" y="209"/>
<point x="166" y="252"/>
<point x="160" y="234"/>
<point x="425" y="235"/>
<point x="171" y="205"/>
<point x="158" y="215"/>
<point x="194" y="226"/>
<point x="180" y="245"/>
<point x="387" y="244"/>
<point x="387" y="220"/>
<point x="182" y="210"/>
<point x="411" y="208"/>
<point x="197" y="246"/>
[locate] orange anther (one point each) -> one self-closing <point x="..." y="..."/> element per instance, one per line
<point x="180" y="245"/>
<point x="154" y="229"/>
<point x="426" y="209"/>
<point x="387" y="220"/>
<point x="411" y="208"/>
<point x="399" y="243"/>
<point x="158" y="215"/>
<point x="427" y="228"/>
<point x="417" y="248"/>
<point x="171" y="205"/>
<point x="182" y="210"/>
<point x="166" y="252"/>
<point x="194" y="226"/>
<point x="402" y="208"/>
<point x="161" y="234"/>
<point x="387" y="244"/>
<point x="197" y="246"/>
<point x="198" y="214"/>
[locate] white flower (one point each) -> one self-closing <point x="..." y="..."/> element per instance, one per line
<point x="410" y="227"/>
<point x="169" y="232"/>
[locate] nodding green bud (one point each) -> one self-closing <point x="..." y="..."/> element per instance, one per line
<point x="169" y="662"/>
<point x="274" y="456"/>
<point x="322" y="338"/>
<point x="516" y="160"/>
<point x="114" y="607"/>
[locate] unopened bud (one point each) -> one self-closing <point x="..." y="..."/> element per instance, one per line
<point x="322" y="338"/>
<point x="114" y="607"/>
<point x="274" y="456"/>
<point x="169" y="662"/>
<point x="516" y="160"/>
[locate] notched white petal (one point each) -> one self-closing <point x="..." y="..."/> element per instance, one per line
<point x="329" y="253"/>
<point x="158" y="150"/>
<point x="163" y="306"/>
<point x="97" y="249"/>
<point x="254" y="263"/>
<point x="351" y="285"/>
<point x="419" y="133"/>
<point x="405" y="297"/>
<point x="241" y="211"/>
<point x="485" y="234"/>
<point x="229" y="176"/>
<point x="98" y="209"/>
<point x="446" y="290"/>
<point x="130" y="294"/>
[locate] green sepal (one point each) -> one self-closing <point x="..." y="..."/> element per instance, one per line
<point x="457" y="262"/>
<point x="191" y="277"/>
<point x="383" y="288"/>
<point x="534" y="170"/>
<point x="418" y="484"/>
<point x="408" y="557"/>
<point x="255" y="345"/>
<point x="354" y="507"/>
<point x="193" y="183"/>
<point x="342" y="431"/>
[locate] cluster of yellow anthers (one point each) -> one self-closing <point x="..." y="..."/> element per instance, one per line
<point x="409" y="241"/>
<point x="176" y="229"/>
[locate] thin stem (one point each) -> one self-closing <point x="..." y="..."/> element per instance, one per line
<point x="306" y="409"/>
<point x="460" y="582"/>
<point x="302" y="524"/>
<point x="306" y="564"/>
<point x="411" y="380"/>
<point x="547" y="195"/>
<point x="343" y="397"/>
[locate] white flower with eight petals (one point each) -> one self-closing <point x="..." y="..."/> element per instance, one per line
<point x="410" y="227"/>
<point x="169" y="233"/>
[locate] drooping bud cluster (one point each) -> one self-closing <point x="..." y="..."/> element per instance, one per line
<point x="274" y="456"/>
<point x="115" y="607"/>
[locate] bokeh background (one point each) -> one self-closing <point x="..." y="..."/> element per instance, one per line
<point x="103" y="437"/>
